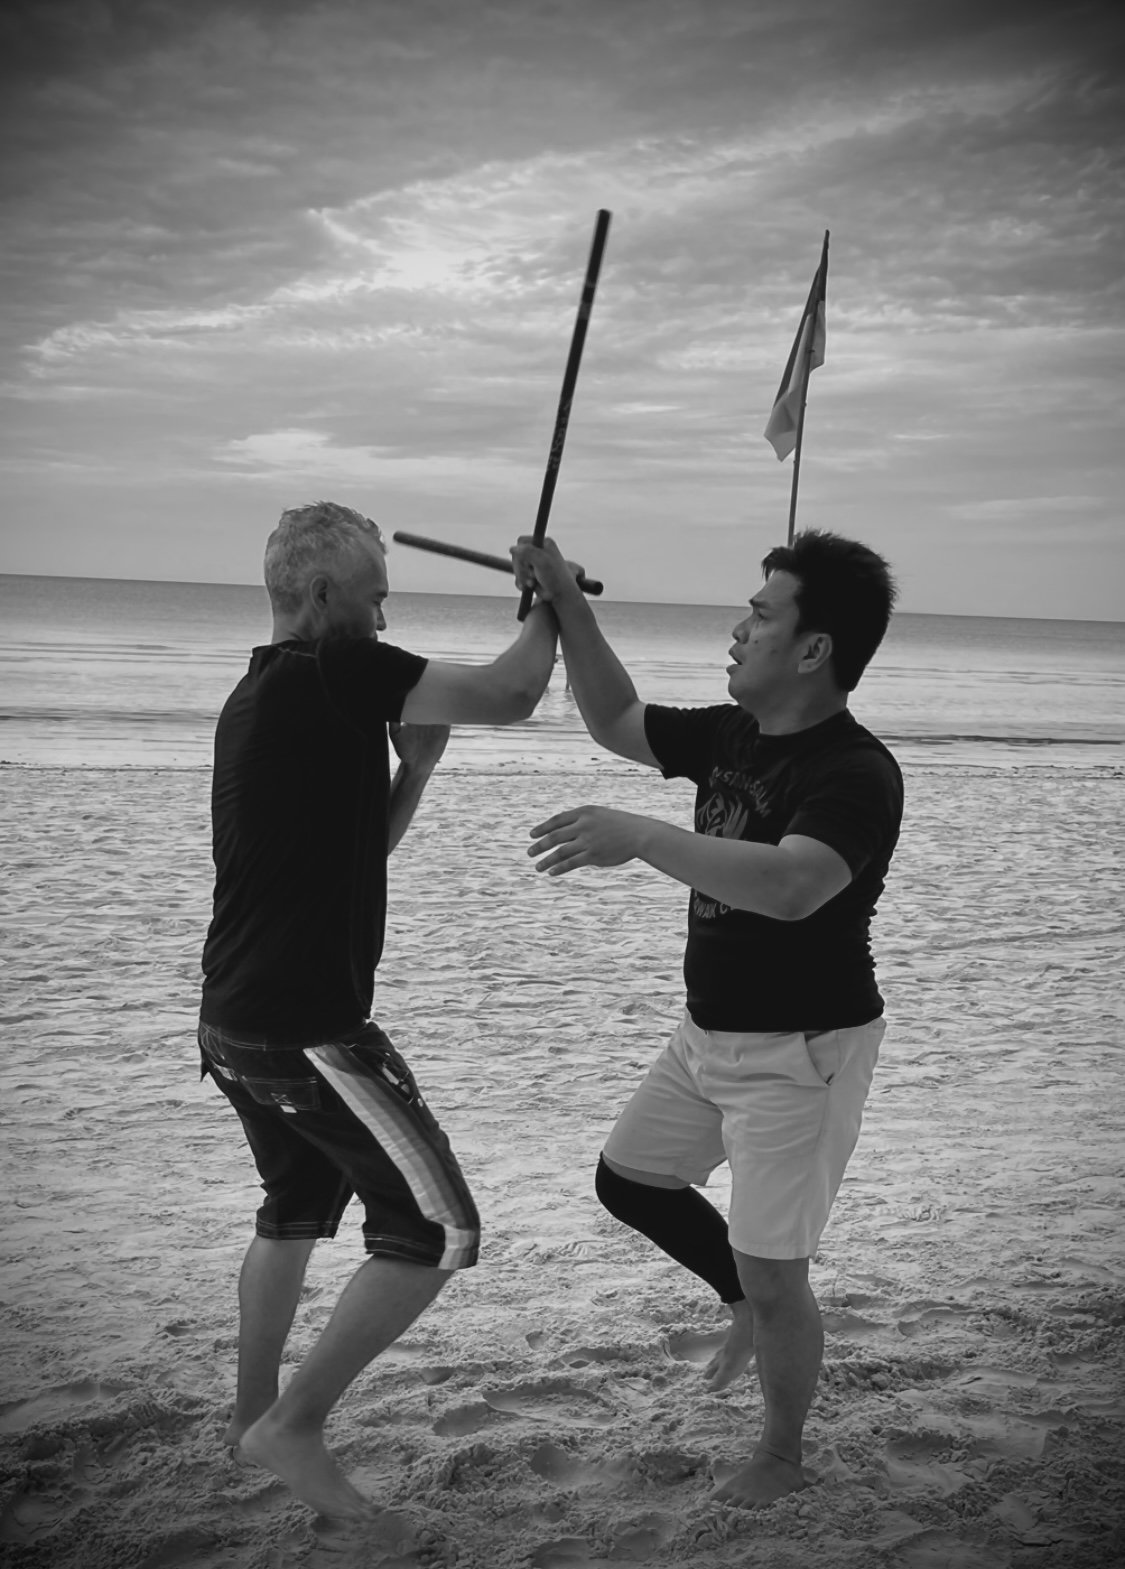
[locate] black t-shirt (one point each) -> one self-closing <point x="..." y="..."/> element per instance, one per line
<point x="299" y="823"/>
<point x="834" y="782"/>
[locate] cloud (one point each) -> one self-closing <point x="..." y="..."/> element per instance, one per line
<point x="254" y="241"/>
<point x="314" y="457"/>
<point x="1029" y="509"/>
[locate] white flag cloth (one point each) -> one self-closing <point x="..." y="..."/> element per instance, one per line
<point x="781" y="427"/>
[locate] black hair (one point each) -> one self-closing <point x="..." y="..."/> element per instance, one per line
<point x="844" y="589"/>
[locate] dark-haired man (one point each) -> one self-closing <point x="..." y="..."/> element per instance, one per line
<point x="304" y="814"/>
<point x="797" y="814"/>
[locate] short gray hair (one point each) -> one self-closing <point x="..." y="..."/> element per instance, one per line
<point x="308" y="540"/>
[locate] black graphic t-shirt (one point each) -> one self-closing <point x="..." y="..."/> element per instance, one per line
<point x="299" y="804"/>
<point x="835" y="783"/>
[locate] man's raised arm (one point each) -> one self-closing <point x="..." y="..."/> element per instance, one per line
<point x="603" y="688"/>
<point x="495" y="694"/>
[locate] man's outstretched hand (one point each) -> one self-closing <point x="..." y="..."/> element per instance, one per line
<point x="587" y="836"/>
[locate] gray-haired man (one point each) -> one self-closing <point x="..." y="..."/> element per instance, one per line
<point x="304" y="816"/>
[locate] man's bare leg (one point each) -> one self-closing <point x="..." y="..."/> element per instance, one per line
<point x="269" y="1289"/>
<point x="382" y="1299"/>
<point x="789" y="1340"/>
<point x="737" y="1351"/>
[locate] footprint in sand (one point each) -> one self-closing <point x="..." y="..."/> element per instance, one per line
<point x="82" y="1437"/>
<point x="920" y="1316"/>
<point x="583" y="1356"/>
<point x="403" y="1354"/>
<point x="668" y="1467"/>
<point x="697" y="1346"/>
<point x="862" y="1299"/>
<point x="912" y="1466"/>
<point x="1007" y="1438"/>
<point x="29" y="1516"/>
<point x="851" y="1325"/>
<point x="638" y="1540"/>
<point x="53" y="1404"/>
<point x="992" y="1383"/>
<point x="556" y="1464"/>
<point x="459" y="1421"/>
<point x="55" y="1493"/>
<point x="551" y="1400"/>
<point x="436" y="1375"/>
<point x="390" y="1540"/>
<point x="939" y="1549"/>
<point x="894" y="1528"/>
<point x="633" y="1541"/>
<point x="827" y="1465"/>
<point x="569" y="1552"/>
<point x="177" y="1327"/>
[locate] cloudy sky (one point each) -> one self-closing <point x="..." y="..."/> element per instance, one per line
<point x="259" y="252"/>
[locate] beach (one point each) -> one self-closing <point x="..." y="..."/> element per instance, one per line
<point x="548" y="1409"/>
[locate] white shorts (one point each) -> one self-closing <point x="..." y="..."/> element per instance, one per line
<point x="783" y="1109"/>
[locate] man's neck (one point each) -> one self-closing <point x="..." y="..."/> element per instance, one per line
<point x="793" y="714"/>
<point x="291" y="629"/>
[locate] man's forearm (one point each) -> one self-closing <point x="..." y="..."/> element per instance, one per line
<point x="761" y="878"/>
<point x="407" y="788"/>
<point x="528" y="663"/>
<point x="602" y="687"/>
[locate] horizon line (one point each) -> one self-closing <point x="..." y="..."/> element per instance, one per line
<point x="436" y="593"/>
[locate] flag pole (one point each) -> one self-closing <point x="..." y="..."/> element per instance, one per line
<point x="797" y="450"/>
<point x="823" y="272"/>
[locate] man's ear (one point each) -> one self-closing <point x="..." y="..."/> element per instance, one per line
<point x="817" y="653"/>
<point x="317" y="591"/>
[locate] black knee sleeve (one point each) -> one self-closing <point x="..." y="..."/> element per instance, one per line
<point x="680" y="1221"/>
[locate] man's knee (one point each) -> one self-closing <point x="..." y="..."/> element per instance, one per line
<point x="772" y="1282"/>
<point x="643" y="1179"/>
<point x="628" y="1194"/>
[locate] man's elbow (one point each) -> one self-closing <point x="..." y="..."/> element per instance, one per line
<point x="618" y="737"/>
<point x="796" y="901"/>
<point x="519" y="700"/>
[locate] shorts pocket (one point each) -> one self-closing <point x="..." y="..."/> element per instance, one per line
<point x="211" y="1059"/>
<point x="823" y="1048"/>
<point x="380" y="1058"/>
<point x="291" y="1095"/>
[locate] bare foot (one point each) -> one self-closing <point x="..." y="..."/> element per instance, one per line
<point x="237" y="1456"/>
<point x="737" y="1351"/>
<point x="761" y="1481"/>
<point x="232" y="1439"/>
<point x="302" y="1462"/>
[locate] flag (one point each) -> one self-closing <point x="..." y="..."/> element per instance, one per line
<point x="781" y="427"/>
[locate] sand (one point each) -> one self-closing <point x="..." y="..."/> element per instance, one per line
<point x="548" y="1410"/>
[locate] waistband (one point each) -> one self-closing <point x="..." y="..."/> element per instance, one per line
<point x="241" y="1037"/>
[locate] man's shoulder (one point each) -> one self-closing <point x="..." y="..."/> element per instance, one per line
<point x="844" y="748"/>
<point x="720" y="718"/>
<point x="863" y="742"/>
<point x="844" y="734"/>
<point x="364" y="656"/>
<point x="716" y="728"/>
<point x="281" y="661"/>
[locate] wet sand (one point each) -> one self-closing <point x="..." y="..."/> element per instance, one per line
<point x="548" y="1410"/>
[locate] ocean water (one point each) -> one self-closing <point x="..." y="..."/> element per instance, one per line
<point x="99" y="672"/>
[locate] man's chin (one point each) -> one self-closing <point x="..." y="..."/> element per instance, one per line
<point x="739" y="694"/>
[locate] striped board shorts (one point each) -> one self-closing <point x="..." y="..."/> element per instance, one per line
<point x="328" y="1120"/>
